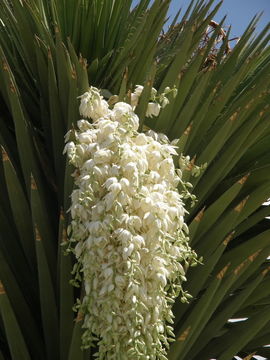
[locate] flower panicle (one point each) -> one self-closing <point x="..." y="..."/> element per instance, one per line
<point x="127" y="230"/>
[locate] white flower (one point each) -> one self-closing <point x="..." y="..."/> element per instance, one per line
<point x="115" y="188"/>
<point x="107" y="127"/>
<point x="153" y="92"/>
<point x="78" y="249"/>
<point x="166" y="169"/>
<point x="110" y="181"/>
<point x="102" y="156"/>
<point x="120" y="281"/>
<point x="108" y="272"/>
<point x="124" y="236"/>
<point x="134" y="100"/>
<point x="141" y="139"/>
<point x="165" y="102"/>
<point x="153" y="109"/>
<point x="162" y="278"/>
<point x="138" y="90"/>
<point x="67" y="137"/>
<point x="84" y="125"/>
<point x="94" y="227"/>
<point x="130" y="168"/>
<point x="134" y="122"/>
<point x="121" y="111"/>
<point x="148" y="219"/>
<point x="167" y="90"/>
<point x="127" y="251"/>
<point x="92" y="105"/>
<point x="86" y="138"/>
<point x="138" y="241"/>
<point x="70" y="149"/>
<point x="124" y="183"/>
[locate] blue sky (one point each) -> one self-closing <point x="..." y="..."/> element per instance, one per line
<point x="239" y="13"/>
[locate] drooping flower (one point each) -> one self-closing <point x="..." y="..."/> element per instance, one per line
<point x="153" y="109"/>
<point x="128" y="231"/>
<point x="93" y="105"/>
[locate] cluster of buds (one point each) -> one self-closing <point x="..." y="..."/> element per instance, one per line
<point x="127" y="230"/>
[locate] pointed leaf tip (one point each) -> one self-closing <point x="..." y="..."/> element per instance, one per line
<point x="5" y="65"/>
<point x="184" y="335"/>
<point x="250" y="356"/>
<point x="33" y="183"/>
<point x="266" y="271"/>
<point x="199" y="216"/>
<point x="79" y="317"/>
<point x="240" y="267"/>
<point x="222" y="273"/>
<point x="243" y="179"/>
<point x="252" y="257"/>
<point x="228" y="238"/>
<point x="4" y="154"/>
<point x="234" y="116"/>
<point x="2" y="289"/>
<point x="191" y="163"/>
<point x="37" y="234"/>
<point x="62" y="217"/>
<point x="241" y="205"/>
<point x="64" y="237"/>
<point x="188" y="129"/>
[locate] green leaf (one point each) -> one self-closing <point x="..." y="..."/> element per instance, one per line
<point x="19" y="301"/>
<point x="47" y="301"/>
<point x="23" y="137"/>
<point x="41" y="220"/>
<point x="184" y="334"/>
<point x="14" y="335"/>
<point x="57" y="123"/>
<point x="220" y="317"/>
<point x="244" y="333"/>
<point x="75" y="351"/>
<point x="20" y="208"/>
<point x="217" y="208"/>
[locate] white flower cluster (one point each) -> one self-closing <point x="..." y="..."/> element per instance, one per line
<point x="128" y="229"/>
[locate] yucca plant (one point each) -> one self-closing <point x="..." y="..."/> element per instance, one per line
<point x="51" y="52"/>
